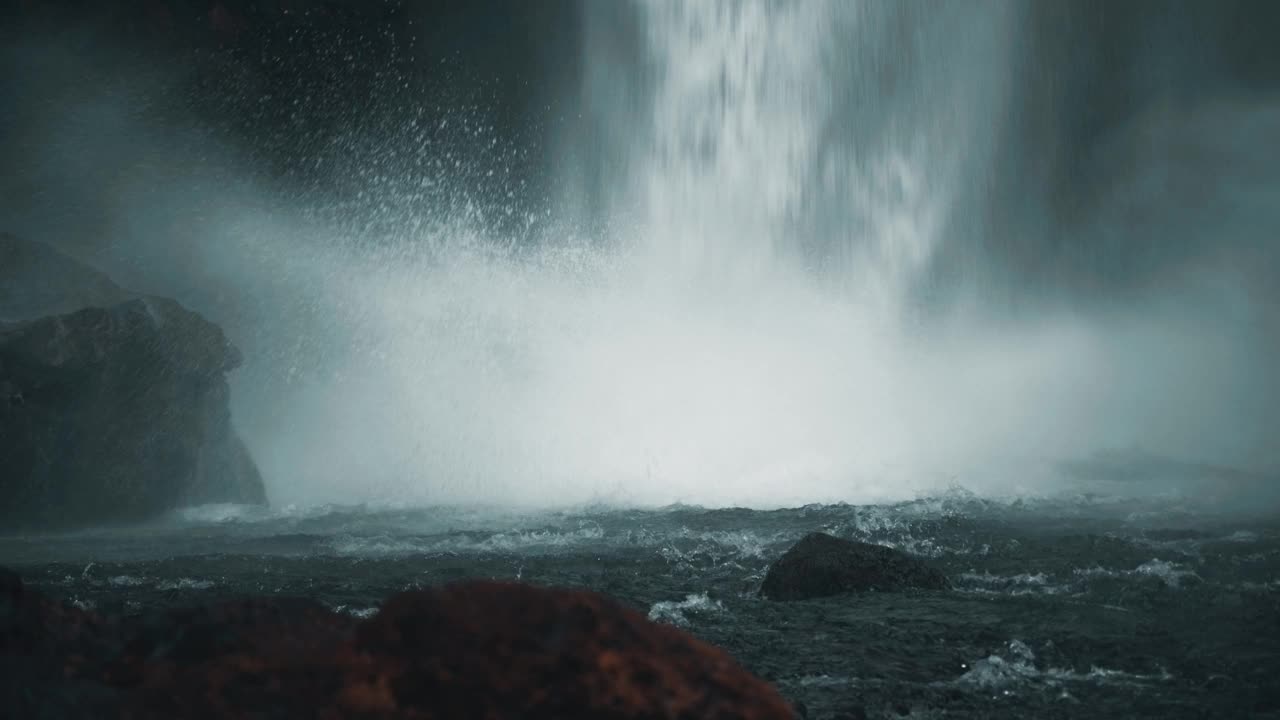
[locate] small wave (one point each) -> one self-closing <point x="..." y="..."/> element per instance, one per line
<point x="530" y="539"/>
<point x="1170" y="573"/>
<point x="996" y="671"/>
<point x="739" y="543"/>
<point x="126" y="581"/>
<point x="678" y="546"/>
<point x="1250" y="586"/>
<point x="1257" y="557"/>
<point x="1020" y="584"/>
<point x="377" y="546"/>
<point x="1117" y="676"/>
<point x="185" y="584"/>
<point x="922" y="528"/>
<point x="502" y="542"/>
<point x="218" y="513"/>
<point x="360" y="613"/>
<point x="1016" y="667"/>
<point x="673" y="611"/>
<point x="687" y="547"/>
<point x="823" y="681"/>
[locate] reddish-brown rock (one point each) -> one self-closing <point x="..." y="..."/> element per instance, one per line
<point x="510" y="650"/>
<point x="474" y="650"/>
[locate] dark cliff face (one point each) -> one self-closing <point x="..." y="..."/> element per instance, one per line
<point x="1135" y="136"/>
<point x="116" y="412"/>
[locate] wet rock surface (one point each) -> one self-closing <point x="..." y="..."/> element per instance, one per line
<point x="477" y="649"/>
<point x="112" y="413"/>
<point x="820" y="565"/>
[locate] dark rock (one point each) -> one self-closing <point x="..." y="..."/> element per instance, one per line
<point x="46" y="648"/>
<point x="821" y="565"/>
<point x="117" y="414"/>
<point x="37" y="280"/>
<point x="479" y="649"/>
<point x="563" y="654"/>
<point x="113" y="406"/>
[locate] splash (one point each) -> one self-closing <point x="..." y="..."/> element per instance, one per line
<point x="741" y="330"/>
<point x="735" y="299"/>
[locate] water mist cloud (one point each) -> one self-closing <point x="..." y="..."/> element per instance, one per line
<point x="408" y="348"/>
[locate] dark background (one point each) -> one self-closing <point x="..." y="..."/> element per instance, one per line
<point x="288" y="82"/>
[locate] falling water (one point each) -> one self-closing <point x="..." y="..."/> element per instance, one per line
<point x="841" y="137"/>
<point x="768" y="189"/>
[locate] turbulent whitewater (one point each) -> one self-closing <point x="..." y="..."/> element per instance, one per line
<point x="1065" y="608"/>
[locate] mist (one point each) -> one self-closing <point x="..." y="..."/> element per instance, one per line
<point x="751" y="271"/>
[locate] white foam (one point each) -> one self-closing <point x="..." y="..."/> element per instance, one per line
<point x="220" y="513"/>
<point x="999" y="672"/>
<point x="1170" y="573"/>
<point x="514" y="541"/>
<point x="361" y="613"/>
<point x="1016" y="667"/>
<point x="825" y="681"/>
<point x="1017" y="584"/>
<point x="127" y="581"/>
<point x="676" y="611"/>
<point x="185" y="583"/>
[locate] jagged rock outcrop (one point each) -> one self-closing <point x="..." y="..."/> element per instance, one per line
<point x="113" y="413"/>
<point x="820" y="565"/>
<point x="477" y="649"/>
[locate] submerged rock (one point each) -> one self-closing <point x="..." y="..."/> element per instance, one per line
<point x="477" y="649"/>
<point x="117" y="414"/>
<point x="821" y="565"/>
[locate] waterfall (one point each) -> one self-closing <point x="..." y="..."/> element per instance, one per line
<point x="842" y="138"/>
<point x="764" y="283"/>
<point x="769" y="191"/>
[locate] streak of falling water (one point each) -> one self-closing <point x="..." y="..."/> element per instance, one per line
<point x="843" y="137"/>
